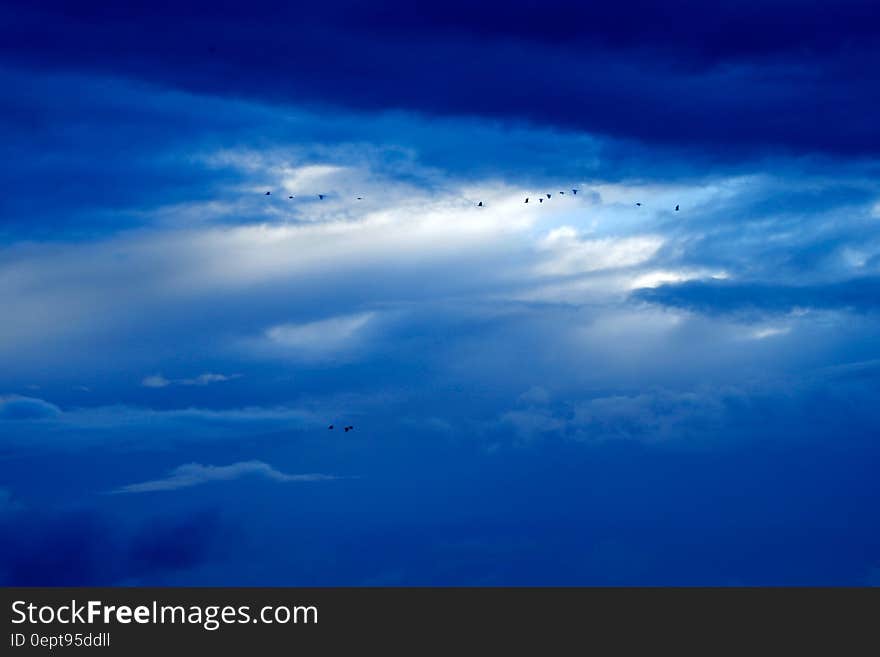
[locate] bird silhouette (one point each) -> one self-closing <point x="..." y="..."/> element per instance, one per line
<point x="527" y="199"/>
<point x="289" y="197"/>
<point x="330" y="427"/>
<point x="549" y="195"/>
<point x="268" y="193"/>
<point x="321" y="196"/>
<point x="480" y="204"/>
<point x="347" y="429"/>
<point x="639" y="204"/>
<point x="563" y="193"/>
<point x="574" y="191"/>
<point x="540" y="200"/>
<point x="676" y="208"/>
<point x="360" y="198"/>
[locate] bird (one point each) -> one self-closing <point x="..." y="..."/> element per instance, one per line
<point x="480" y="204"/>
<point x="321" y="196"/>
<point x="268" y="194"/>
<point x="527" y="199"/>
<point x="289" y="197"/>
<point x="563" y="193"/>
<point x="347" y="429"/>
<point x="549" y="195"/>
<point x="676" y="208"/>
<point x="360" y="198"/>
<point x="574" y="191"/>
<point x="330" y="427"/>
<point x="638" y="204"/>
<point x="540" y="200"/>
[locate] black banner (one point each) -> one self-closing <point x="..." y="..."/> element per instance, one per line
<point x="129" y="621"/>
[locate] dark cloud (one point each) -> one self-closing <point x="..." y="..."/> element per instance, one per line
<point x="176" y="543"/>
<point x="69" y="549"/>
<point x="721" y="297"/>
<point x="93" y="548"/>
<point x="8" y="503"/>
<point x="736" y="77"/>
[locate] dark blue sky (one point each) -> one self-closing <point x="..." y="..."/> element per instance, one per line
<point x="578" y="391"/>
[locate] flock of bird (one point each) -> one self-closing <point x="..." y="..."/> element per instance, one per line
<point x="540" y="198"/>
<point x="574" y="192"/>
<point x="350" y="427"/>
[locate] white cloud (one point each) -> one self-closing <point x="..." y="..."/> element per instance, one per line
<point x="765" y="332"/>
<point x="655" y="278"/>
<point x="854" y="258"/>
<point x="159" y="381"/>
<point x="569" y="254"/>
<point x="155" y="381"/>
<point x="322" y="334"/>
<point x="195" y="474"/>
<point x="207" y="378"/>
<point x="311" y="178"/>
<point x="325" y="338"/>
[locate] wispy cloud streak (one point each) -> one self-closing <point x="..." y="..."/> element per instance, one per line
<point x="196" y="474"/>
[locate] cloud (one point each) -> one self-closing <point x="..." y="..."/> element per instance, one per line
<point x="535" y="395"/>
<point x="15" y="407"/>
<point x="570" y="254"/>
<point x="195" y="474"/>
<point x="317" y="340"/>
<point x="633" y="70"/>
<point x="253" y="279"/>
<point x="421" y="318"/>
<point x="8" y="504"/>
<point x="725" y="297"/>
<point x="207" y="379"/>
<point x="172" y="544"/>
<point x="138" y="427"/>
<point x="533" y="423"/>
<point x="691" y="418"/>
<point x="868" y="370"/>
<point x="657" y="278"/>
<point x="765" y="332"/>
<point x="155" y="381"/>
<point x="59" y="547"/>
<point x="159" y="381"/>
<point x="655" y="416"/>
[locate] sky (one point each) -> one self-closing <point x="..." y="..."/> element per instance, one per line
<point x="593" y="389"/>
